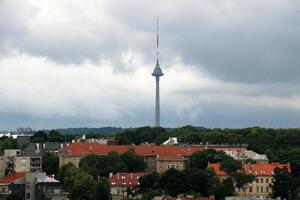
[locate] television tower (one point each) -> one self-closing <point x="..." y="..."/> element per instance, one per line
<point x="157" y="72"/>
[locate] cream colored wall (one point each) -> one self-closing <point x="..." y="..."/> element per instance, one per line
<point x="63" y="160"/>
<point x="164" y="165"/>
<point x="260" y="187"/>
<point x="22" y="164"/>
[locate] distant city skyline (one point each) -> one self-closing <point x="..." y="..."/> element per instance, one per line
<point x="86" y="64"/>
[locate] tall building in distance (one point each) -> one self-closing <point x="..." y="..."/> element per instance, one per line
<point x="157" y="72"/>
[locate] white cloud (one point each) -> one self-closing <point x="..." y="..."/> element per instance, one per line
<point x="92" y="59"/>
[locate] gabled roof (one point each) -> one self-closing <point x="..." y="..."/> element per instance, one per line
<point x="264" y="169"/>
<point x="86" y="148"/>
<point x="259" y="169"/>
<point x="126" y="179"/>
<point x="13" y="177"/>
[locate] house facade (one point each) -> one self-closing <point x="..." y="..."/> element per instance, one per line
<point x="261" y="186"/>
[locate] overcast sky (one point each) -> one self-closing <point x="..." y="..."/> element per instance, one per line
<point x="75" y="63"/>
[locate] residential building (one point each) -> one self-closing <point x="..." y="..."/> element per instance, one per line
<point x="28" y="163"/>
<point x="124" y="184"/>
<point x="9" y="159"/>
<point x="23" y="140"/>
<point x="263" y="172"/>
<point x="41" y="148"/>
<point x="157" y="157"/>
<point x="49" y="188"/>
<point x="166" y="162"/>
<point x="12" y="183"/>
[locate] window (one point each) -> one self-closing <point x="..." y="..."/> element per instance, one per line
<point x="267" y="189"/>
<point x="262" y="189"/>
<point x="261" y="180"/>
<point x="267" y="180"/>
<point x="250" y="189"/>
<point x="257" y="189"/>
<point x="256" y="180"/>
<point x="3" y="190"/>
<point x="27" y="195"/>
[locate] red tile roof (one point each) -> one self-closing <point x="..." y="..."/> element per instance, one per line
<point x="85" y="148"/>
<point x="264" y="169"/>
<point x="259" y="169"/>
<point x="13" y="177"/>
<point x="217" y="168"/>
<point x="126" y="179"/>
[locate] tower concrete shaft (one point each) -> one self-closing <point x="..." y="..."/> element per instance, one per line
<point x="157" y="104"/>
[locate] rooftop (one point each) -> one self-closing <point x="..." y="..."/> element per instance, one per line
<point x="13" y="177"/>
<point x="86" y="148"/>
<point x="259" y="169"/>
<point x="126" y="179"/>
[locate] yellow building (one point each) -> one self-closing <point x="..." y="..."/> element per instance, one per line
<point x="263" y="172"/>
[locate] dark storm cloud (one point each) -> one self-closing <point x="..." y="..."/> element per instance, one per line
<point x="88" y="63"/>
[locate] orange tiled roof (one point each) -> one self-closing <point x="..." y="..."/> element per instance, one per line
<point x="85" y="148"/>
<point x="126" y="179"/>
<point x="259" y="169"/>
<point x="217" y="168"/>
<point x="13" y="177"/>
<point x="264" y="169"/>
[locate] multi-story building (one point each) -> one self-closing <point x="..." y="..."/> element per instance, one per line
<point x="166" y="162"/>
<point x="9" y="159"/>
<point x="261" y="186"/>
<point x="16" y="160"/>
<point x="158" y="158"/>
<point x="28" y="163"/>
<point x="32" y="186"/>
<point x="123" y="184"/>
<point x="12" y="183"/>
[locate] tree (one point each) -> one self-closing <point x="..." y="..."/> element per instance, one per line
<point x="231" y="166"/>
<point x="198" y="181"/>
<point x="282" y="183"/>
<point x="7" y="143"/>
<point x="94" y="165"/>
<point x="50" y="163"/>
<point x="55" y="136"/>
<point x="241" y="179"/>
<point x="223" y="189"/>
<point x="133" y="162"/>
<point x="39" y="137"/>
<point x="14" y="196"/>
<point x="148" y="182"/>
<point x="66" y="171"/>
<point x="103" y="189"/>
<point x="200" y="159"/>
<point x="173" y="182"/>
<point x="81" y="186"/>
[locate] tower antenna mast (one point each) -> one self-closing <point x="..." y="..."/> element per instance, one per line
<point x="157" y="41"/>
